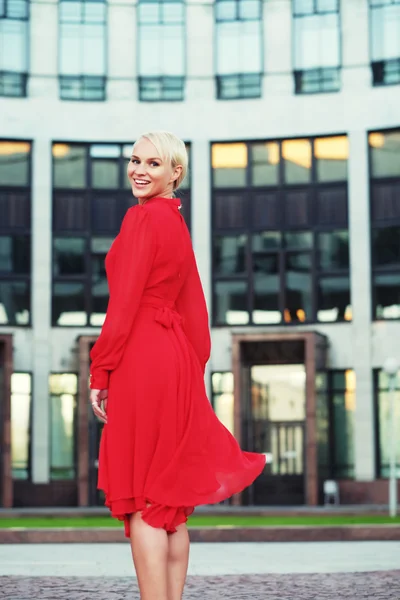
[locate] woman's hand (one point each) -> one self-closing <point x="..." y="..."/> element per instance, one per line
<point x="97" y="399"/>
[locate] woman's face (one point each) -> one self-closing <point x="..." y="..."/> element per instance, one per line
<point x="149" y="174"/>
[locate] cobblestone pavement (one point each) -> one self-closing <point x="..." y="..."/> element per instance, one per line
<point x="354" y="586"/>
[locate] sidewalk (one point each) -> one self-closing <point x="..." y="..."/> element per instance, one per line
<point x="328" y="571"/>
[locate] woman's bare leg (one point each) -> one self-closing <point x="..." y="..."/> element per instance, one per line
<point x="178" y="559"/>
<point x="150" y="554"/>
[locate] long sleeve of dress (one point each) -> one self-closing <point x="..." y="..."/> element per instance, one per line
<point x="133" y="258"/>
<point x="191" y="305"/>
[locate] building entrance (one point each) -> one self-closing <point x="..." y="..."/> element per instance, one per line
<point x="275" y="413"/>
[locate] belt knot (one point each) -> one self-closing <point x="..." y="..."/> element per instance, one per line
<point x="167" y="317"/>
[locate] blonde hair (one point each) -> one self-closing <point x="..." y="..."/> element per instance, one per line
<point x="170" y="148"/>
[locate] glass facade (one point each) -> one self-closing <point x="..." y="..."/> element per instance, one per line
<point x="21" y="408"/>
<point x="280" y="234"/>
<point x="316" y="46"/>
<point x="336" y="404"/>
<point x="384" y="149"/>
<point x="91" y="194"/>
<point x="161" y="51"/>
<point x="239" y="48"/>
<point x="15" y="233"/>
<point x="14" y="47"/>
<point x="82" y="49"/>
<point x="385" y="41"/>
<point x="90" y="197"/>
<point x="383" y="422"/>
<point x="63" y="388"/>
<point x="222" y="398"/>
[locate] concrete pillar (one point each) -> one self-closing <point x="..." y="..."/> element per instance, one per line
<point x="359" y="228"/>
<point x="201" y="219"/>
<point x="41" y="306"/>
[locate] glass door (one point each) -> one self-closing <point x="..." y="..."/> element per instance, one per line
<point x="274" y="424"/>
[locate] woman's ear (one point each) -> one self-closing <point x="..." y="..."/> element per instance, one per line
<point x="177" y="172"/>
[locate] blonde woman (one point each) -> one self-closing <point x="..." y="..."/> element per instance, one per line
<point x="163" y="451"/>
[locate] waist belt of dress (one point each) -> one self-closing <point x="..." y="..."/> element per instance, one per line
<point x="166" y="313"/>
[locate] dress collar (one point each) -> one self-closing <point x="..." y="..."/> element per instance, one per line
<point x="171" y="201"/>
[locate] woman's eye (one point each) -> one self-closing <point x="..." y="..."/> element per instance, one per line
<point x="155" y="164"/>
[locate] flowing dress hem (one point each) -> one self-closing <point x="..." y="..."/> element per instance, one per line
<point x="159" y="515"/>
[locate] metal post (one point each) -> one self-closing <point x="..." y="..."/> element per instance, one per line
<point x="392" y="472"/>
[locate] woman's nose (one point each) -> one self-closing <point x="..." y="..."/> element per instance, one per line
<point x="140" y="169"/>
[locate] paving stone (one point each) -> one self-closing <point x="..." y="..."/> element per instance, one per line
<point x="382" y="585"/>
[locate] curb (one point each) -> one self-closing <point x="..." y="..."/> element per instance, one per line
<point x="104" y="535"/>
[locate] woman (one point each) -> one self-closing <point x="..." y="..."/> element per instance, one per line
<point x="163" y="450"/>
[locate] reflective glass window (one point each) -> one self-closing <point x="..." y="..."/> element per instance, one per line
<point x="385" y="153"/>
<point x="63" y="392"/>
<point x="69" y="256"/>
<point x="297" y="158"/>
<point x="231" y="302"/>
<point x="331" y="155"/>
<point x="69" y="304"/>
<point x="229" y="163"/>
<point x="14" y="163"/>
<point x="230" y="254"/>
<point x="15" y="302"/>
<point x="21" y="399"/>
<point x="69" y="163"/>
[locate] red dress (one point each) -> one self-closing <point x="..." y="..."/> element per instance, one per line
<point x="163" y="451"/>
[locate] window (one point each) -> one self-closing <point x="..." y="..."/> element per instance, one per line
<point x="14" y="47"/>
<point x="385" y="41"/>
<point x="317" y="53"/>
<point x="222" y="398"/>
<point x="91" y="194"/>
<point x="280" y="233"/>
<point x="161" y="57"/>
<point x="83" y="29"/>
<point x="384" y="150"/>
<point x="335" y="412"/>
<point x="63" y="389"/>
<point x="21" y="410"/>
<point x="15" y="233"/>
<point x="383" y="421"/>
<point x="239" y="48"/>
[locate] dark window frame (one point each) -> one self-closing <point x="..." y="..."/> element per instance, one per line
<point x="161" y="78"/>
<point x="316" y="10"/>
<point x="21" y="77"/>
<point x="26" y="230"/>
<point x="220" y="78"/>
<point x="379" y="224"/>
<point x="249" y="229"/>
<point x="83" y="80"/>
<point x="322" y="73"/>
<point x="379" y="68"/>
<point x="165" y="83"/>
<point x="243" y="86"/>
